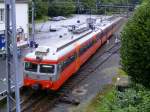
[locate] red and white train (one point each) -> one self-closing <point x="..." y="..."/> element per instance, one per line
<point x="52" y="63"/>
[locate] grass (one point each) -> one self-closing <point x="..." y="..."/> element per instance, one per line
<point x="98" y="104"/>
<point x="122" y="73"/>
<point x="102" y="100"/>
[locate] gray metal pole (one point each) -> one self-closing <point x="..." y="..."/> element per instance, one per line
<point x="15" y="57"/>
<point x="33" y="22"/>
<point x="11" y="61"/>
<point x="7" y="37"/>
<point x="96" y="6"/>
<point x="78" y="6"/>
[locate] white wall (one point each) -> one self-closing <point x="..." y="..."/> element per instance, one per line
<point x="21" y="16"/>
<point x="2" y="25"/>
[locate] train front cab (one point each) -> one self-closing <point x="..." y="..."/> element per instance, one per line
<point x="52" y="78"/>
<point x="39" y="75"/>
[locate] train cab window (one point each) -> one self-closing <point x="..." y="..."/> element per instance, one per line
<point x="46" y="68"/>
<point x="31" y="67"/>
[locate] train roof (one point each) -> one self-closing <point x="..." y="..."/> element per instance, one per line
<point x="63" y="41"/>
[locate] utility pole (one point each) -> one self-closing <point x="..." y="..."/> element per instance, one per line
<point x="78" y="5"/>
<point x="11" y="61"/>
<point x="33" y="23"/>
<point x="127" y="9"/>
<point x="97" y="2"/>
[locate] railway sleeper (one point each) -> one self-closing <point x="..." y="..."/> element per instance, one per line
<point x="68" y="100"/>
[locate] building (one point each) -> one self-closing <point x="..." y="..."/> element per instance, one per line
<point x="21" y="21"/>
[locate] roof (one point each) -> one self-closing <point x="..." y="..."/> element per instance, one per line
<point x="58" y="47"/>
<point x="17" y="1"/>
<point x="55" y="41"/>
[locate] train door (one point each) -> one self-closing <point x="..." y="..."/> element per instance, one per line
<point x="77" y="46"/>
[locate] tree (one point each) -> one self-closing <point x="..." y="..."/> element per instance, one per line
<point x="41" y="9"/>
<point x="135" y="50"/>
<point x="61" y="8"/>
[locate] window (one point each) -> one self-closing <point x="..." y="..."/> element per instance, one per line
<point x="86" y="47"/>
<point x="46" y="68"/>
<point x="1" y="14"/>
<point x="31" y="67"/>
<point x="99" y="36"/>
<point x="68" y="61"/>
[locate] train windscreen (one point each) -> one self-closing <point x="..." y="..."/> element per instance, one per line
<point x="32" y="67"/>
<point x="46" y="68"/>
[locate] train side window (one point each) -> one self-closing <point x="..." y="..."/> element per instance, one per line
<point x="72" y="58"/>
<point x="97" y="37"/>
<point x="90" y="44"/>
<point x="94" y="41"/>
<point x="81" y="51"/>
<point x="68" y="61"/>
<point x="86" y="47"/>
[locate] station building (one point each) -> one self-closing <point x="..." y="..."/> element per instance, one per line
<point x="22" y="22"/>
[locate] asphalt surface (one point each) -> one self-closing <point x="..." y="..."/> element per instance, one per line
<point x="44" y="27"/>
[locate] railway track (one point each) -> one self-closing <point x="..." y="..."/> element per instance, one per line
<point x="44" y="101"/>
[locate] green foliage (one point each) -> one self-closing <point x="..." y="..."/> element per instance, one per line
<point x="62" y="9"/>
<point x="135" y="50"/>
<point x="115" y="1"/>
<point x="41" y="9"/>
<point x="134" y="99"/>
<point x="88" y="3"/>
<point x="67" y="7"/>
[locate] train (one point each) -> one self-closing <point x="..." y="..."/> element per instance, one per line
<point x="50" y="65"/>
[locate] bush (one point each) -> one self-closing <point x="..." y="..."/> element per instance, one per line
<point x="133" y="99"/>
<point x="135" y="50"/>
